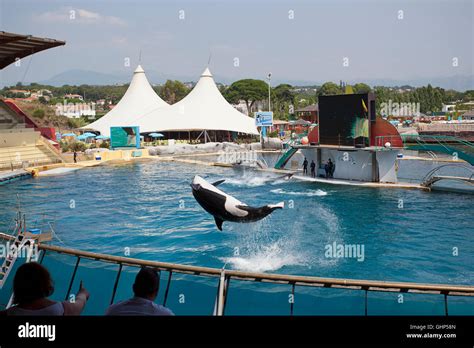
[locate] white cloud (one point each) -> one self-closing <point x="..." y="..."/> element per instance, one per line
<point x="80" y="16"/>
<point x="88" y="15"/>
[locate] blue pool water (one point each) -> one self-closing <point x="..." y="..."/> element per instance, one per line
<point x="148" y="209"/>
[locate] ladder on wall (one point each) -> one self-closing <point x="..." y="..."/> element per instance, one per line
<point x="15" y="248"/>
<point x="20" y="243"/>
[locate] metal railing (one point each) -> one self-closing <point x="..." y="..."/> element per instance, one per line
<point x="54" y="152"/>
<point x="432" y="176"/>
<point x="225" y="276"/>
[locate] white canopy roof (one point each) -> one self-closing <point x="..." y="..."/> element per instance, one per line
<point x="139" y="100"/>
<point x="204" y="108"/>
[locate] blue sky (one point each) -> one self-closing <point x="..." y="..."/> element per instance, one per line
<point x="264" y="37"/>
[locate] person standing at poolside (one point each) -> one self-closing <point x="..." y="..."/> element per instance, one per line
<point x="313" y="169"/>
<point x="305" y="166"/>
<point x="331" y="168"/>
<point x="75" y="156"/>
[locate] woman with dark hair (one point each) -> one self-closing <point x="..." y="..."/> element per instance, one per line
<point x="32" y="286"/>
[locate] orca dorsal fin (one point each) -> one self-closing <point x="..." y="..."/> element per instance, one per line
<point x="219" y="222"/>
<point x="218" y="182"/>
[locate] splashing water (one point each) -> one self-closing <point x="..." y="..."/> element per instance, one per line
<point x="254" y="180"/>
<point x="308" y="193"/>
<point x="259" y="249"/>
<point x="266" y="258"/>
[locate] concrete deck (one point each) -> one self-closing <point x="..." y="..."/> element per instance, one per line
<point x="401" y="185"/>
<point x="54" y="170"/>
<point x="8" y="176"/>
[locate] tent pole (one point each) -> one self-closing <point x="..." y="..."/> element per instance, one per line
<point x="199" y="136"/>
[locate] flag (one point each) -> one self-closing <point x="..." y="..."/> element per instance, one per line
<point x="364" y="106"/>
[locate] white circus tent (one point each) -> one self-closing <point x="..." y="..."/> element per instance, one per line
<point x="203" y="109"/>
<point x="140" y="99"/>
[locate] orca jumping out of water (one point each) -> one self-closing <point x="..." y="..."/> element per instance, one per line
<point x="225" y="207"/>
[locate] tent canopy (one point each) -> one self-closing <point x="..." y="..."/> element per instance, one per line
<point x="139" y="100"/>
<point x="204" y="108"/>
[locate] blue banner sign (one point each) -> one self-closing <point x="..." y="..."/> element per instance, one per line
<point x="263" y="118"/>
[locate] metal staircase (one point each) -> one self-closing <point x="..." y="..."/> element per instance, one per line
<point x="283" y="160"/>
<point x="445" y="144"/>
<point x="433" y="176"/>
<point x="450" y="145"/>
<point x="16" y="247"/>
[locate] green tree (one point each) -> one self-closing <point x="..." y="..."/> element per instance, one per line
<point x="329" y="88"/>
<point x="38" y="113"/>
<point x="247" y="90"/>
<point x="76" y="122"/>
<point x="173" y="91"/>
<point x="468" y="95"/>
<point x="361" y="88"/>
<point x="283" y="97"/>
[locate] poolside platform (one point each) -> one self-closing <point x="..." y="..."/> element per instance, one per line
<point x="58" y="171"/>
<point x="401" y="185"/>
<point x="63" y="168"/>
<point x="9" y="176"/>
<point x="431" y="159"/>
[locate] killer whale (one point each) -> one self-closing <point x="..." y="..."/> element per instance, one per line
<point x="224" y="207"/>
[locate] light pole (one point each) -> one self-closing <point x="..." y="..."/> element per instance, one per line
<point x="269" y="89"/>
<point x="263" y="130"/>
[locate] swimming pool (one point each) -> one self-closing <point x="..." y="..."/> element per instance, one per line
<point x="147" y="209"/>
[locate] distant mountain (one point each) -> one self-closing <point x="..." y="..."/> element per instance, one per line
<point x="84" y="77"/>
<point x="78" y="77"/>
<point x="457" y="82"/>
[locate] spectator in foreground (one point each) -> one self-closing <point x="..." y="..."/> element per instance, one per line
<point x="145" y="289"/>
<point x="32" y="286"/>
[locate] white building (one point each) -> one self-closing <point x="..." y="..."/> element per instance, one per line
<point x="448" y="107"/>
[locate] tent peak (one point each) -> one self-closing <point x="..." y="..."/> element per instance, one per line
<point x="206" y="73"/>
<point x="139" y="69"/>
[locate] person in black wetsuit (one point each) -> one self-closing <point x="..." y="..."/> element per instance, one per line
<point x="75" y="156"/>
<point x="305" y="166"/>
<point x="313" y="169"/>
<point x="331" y="168"/>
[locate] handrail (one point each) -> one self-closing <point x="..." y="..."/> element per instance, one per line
<point x="51" y="148"/>
<point x="436" y="138"/>
<point x="432" y="172"/>
<point x="355" y="284"/>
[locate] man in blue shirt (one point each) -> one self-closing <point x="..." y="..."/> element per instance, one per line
<point x="145" y="288"/>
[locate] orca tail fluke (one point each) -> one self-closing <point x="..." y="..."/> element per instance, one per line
<point x="219" y="223"/>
